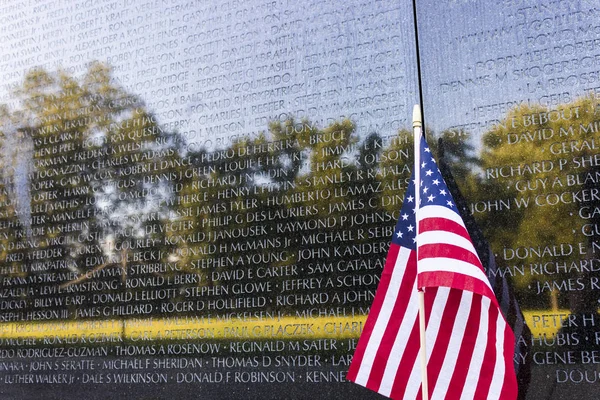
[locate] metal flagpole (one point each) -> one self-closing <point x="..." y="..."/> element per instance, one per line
<point x="417" y="131"/>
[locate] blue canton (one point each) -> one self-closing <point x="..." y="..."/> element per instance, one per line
<point x="433" y="188"/>
<point x="433" y="192"/>
<point x="406" y="227"/>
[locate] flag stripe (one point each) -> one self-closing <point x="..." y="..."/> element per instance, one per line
<point x="509" y="387"/>
<point x="437" y="338"/>
<point x="451" y="276"/>
<point x="412" y="387"/>
<point x="374" y="312"/>
<point x="468" y="343"/>
<point x="474" y="370"/>
<point x="470" y="332"/>
<point x="498" y="377"/>
<point x="456" y="333"/>
<point x="410" y="360"/>
<point x="395" y="340"/>
<point x="450" y="238"/>
<point x="487" y="368"/>
<point x="449" y="251"/>
<point x="440" y="223"/>
<point x="435" y="299"/>
<point x="434" y="211"/>
<point x="377" y="344"/>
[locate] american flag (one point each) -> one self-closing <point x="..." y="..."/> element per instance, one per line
<point x="469" y="345"/>
<point x="502" y="287"/>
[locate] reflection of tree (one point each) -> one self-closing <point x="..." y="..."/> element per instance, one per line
<point x="283" y="206"/>
<point x="113" y="198"/>
<point x="394" y="169"/>
<point x="52" y="121"/>
<point x="538" y="174"/>
<point x="76" y="153"/>
<point x="15" y="227"/>
<point x="112" y="192"/>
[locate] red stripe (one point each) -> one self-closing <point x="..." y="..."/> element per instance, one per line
<point x="443" y="224"/>
<point x="440" y="346"/>
<point x="449" y="251"/>
<point x="509" y="386"/>
<point x="456" y="281"/>
<point x="489" y="358"/>
<point x="391" y="331"/>
<point x="407" y="363"/>
<point x="471" y="332"/>
<point x="413" y="349"/>
<point x="432" y="280"/>
<point x="382" y="289"/>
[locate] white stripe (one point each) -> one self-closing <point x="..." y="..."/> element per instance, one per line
<point x="439" y="212"/>
<point x="499" y="370"/>
<point x="442" y="236"/>
<point x="443" y="264"/>
<point x="458" y="331"/>
<point x="435" y="317"/>
<point x="433" y="328"/>
<point x="478" y="352"/>
<point x="400" y="342"/>
<point x="384" y="316"/>
<point x="413" y="385"/>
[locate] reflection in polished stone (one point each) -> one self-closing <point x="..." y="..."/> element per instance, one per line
<point x="204" y="193"/>
<point x="150" y="254"/>
<point x="206" y="198"/>
<point x="520" y="93"/>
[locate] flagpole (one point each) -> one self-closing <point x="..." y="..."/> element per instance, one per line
<point x="417" y="131"/>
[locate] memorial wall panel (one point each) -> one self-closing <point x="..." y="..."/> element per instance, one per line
<point x="197" y="198"/>
<point x="512" y="89"/>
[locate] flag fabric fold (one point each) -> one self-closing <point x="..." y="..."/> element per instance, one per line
<point x="469" y="345"/>
<point x="502" y="288"/>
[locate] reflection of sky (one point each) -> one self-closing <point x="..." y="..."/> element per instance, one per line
<point x="216" y="71"/>
<point x="481" y="58"/>
<point x="18" y="152"/>
<point x="222" y="70"/>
